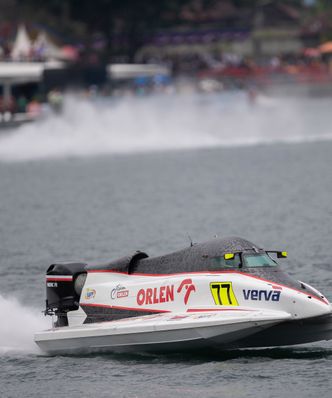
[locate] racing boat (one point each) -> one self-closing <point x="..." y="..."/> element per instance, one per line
<point x="222" y="294"/>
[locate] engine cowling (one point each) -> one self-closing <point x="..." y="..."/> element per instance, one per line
<point x="64" y="283"/>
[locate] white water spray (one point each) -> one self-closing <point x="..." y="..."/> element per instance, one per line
<point x="155" y="123"/>
<point x="18" y="325"/>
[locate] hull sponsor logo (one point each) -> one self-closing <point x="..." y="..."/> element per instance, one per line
<point x="119" y="292"/>
<point x="177" y="318"/>
<point x="155" y="295"/>
<point x="189" y="287"/>
<point x="261" y="295"/>
<point x="165" y="294"/>
<point x="89" y="294"/>
<point x="223" y="294"/>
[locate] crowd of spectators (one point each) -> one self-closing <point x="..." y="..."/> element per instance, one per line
<point x="234" y="70"/>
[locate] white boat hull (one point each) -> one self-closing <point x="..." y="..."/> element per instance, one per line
<point x="161" y="332"/>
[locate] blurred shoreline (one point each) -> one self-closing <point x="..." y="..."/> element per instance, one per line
<point x="268" y="48"/>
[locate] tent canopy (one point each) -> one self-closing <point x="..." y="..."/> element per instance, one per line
<point x="22" y="45"/>
<point x="45" y="47"/>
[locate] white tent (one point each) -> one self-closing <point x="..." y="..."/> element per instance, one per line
<point x="44" y="48"/>
<point x="22" y="45"/>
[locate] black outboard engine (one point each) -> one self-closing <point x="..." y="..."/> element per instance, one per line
<point x="64" y="283"/>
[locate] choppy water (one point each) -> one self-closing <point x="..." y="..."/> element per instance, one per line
<point x="60" y="201"/>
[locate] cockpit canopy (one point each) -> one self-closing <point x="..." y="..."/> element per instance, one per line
<point x="213" y="255"/>
<point x="246" y="260"/>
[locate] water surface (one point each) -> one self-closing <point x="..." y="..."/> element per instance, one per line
<point x="104" y="204"/>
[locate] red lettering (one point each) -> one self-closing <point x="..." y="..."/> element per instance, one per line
<point x="148" y="297"/>
<point x="170" y="293"/>
<point x="162" y="294"/>
<point x="155" y="298"/>
<point x="141" y="297"/>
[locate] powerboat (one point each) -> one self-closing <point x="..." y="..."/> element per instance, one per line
<point x="221" y="294"/>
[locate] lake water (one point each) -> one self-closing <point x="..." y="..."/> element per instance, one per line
<point x="109" y="178"/>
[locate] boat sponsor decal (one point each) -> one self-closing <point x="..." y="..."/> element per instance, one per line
<point x="155" y="295"/>
<point x="189" y="287"/>
<point x="261" y="295"/>
<point x="223" y="294"/>
<point x="177" y="317"/>
<point x="52" y="284"/>
<point x="203" y="316"/>
<point x="89" y="294"/>
<point x="119" y="292"/>
<point x="165" y="294"/>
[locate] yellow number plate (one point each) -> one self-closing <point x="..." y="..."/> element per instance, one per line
<point x="223" y="293"/>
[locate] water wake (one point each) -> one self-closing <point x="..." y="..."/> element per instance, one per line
<point x="171" y="122"/>
<point x="18" y="325"/>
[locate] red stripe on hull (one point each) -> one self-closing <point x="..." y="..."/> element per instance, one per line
<point x="122" y="308"/>
<point x="216" y="309"/>
<point x="59" y="280"/>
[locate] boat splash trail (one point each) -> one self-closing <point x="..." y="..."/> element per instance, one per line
<point x="170" y="122"/>
<point x="19" y="323"/>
